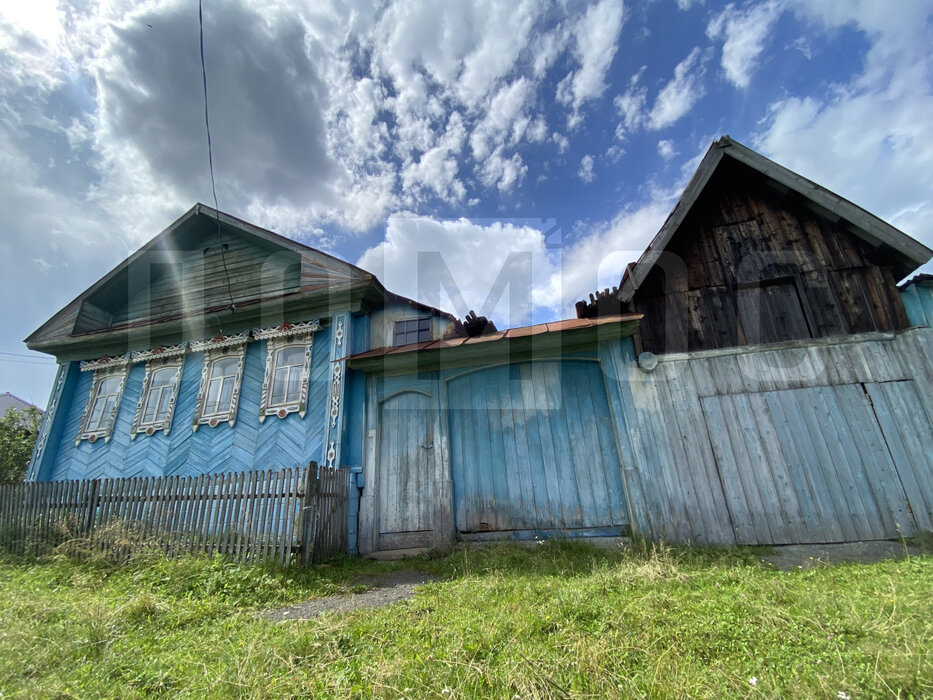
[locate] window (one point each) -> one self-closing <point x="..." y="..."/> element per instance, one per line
<point x="415" y="330"/>
<point x="223" y="376"/>
<point x="286" y="379"/>
<point x="157" y="400"/>
<point x="102" y="405"/>
<point x="285" y="385"/>
<point x="219" y="393"/>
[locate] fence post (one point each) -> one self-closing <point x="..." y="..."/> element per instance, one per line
<point x="92" y="496"/>
<point x="308" y="513"/>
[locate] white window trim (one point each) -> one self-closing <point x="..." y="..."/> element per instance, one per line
<point x="217" y="349"/>
<point x="273" y="347"/>
<point x="102" y="370"/>
<point x="165" y="424"/>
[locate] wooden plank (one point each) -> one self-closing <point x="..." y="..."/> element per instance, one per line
<point x="908" y="433"/>
<point x="503" y="507"/>
<point x="877" y="468"/>
<point x="535" y="399"/>
<point x="789" y="487"/>
<point x="816" y="507"/>
<point x="729" y="451"/>
<point x="843" y="463"/>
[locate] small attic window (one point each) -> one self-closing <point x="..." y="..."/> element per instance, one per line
<point x="413" y="330"/>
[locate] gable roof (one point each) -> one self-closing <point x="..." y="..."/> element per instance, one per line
<point x="8" y="401"/>
<point x="909" y="252"/>
<point x="304" y="275"/>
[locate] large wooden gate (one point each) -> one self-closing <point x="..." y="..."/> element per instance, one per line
<point x="533" y="452"/>
<point x="406" y="471"/>
<point x="823" y="464"/>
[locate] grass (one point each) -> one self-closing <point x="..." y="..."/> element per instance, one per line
<point x="559" y="620"/>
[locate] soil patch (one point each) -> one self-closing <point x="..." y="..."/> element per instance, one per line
<point x="806" y="556"/>
<point x="383" y="589"/>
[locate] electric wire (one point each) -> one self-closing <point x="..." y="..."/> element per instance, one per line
<point x="210" y="157"/>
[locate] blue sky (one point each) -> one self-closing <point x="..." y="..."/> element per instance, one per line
<point x="532" y="143"/>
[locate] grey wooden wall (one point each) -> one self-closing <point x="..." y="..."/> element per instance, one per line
<point x="820" y="441"/>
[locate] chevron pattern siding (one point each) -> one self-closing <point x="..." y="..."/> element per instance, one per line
<point x="275" y="444"/>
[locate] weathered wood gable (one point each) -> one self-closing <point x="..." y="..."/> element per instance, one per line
<point x="753" y="261"/>
<point x="202" y="264"/>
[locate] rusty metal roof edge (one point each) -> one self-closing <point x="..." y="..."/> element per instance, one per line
<point x="442" y="343"/>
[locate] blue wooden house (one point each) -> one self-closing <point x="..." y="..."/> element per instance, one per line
<point x="756" y="377"/>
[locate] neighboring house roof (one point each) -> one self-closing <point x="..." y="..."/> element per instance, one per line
<point x="563" y="336"/>
<point x="8" y="401"/>
<point x="921" y="279"/>
<point x="302" y="275"/>
<point x="909" y="252"/>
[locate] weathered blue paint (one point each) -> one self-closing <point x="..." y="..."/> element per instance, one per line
<point x="249" y="444"/>
<point x="533" y="450"/>
<point x="918" y="300"/>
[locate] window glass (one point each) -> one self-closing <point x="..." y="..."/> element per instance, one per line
<point x="104" y="400"/>
<point x="415" y="330"/>
<point x="220" y="387"/>
<point x="286" y="381"/>
<point x="161" y="387"/>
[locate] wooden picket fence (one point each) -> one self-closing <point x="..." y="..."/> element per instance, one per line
<point x="285" y="516"/>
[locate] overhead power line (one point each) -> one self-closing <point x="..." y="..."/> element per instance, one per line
<point x="210" y="157"/>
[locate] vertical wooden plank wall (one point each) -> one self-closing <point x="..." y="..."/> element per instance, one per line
<point x="816" y="441"/>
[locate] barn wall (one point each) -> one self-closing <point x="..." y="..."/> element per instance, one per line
<point x="750" y="265"/>
<point x="815" y="441"/>
<point x="918" y="300"/>
<point x="249" y="444"/>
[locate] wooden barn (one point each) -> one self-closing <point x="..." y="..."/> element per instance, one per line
<point x="757" y="377"/>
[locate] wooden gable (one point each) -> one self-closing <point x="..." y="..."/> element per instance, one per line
<point x="754" y="254"/>
<point x="206" y="263"/>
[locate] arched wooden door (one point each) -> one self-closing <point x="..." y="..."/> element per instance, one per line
<point x="406" y="471"/>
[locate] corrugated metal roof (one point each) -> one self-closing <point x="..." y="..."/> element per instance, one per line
<point x="8" y="401"/>
<point x="566" y="325"/>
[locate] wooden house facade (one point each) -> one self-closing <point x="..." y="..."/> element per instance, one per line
<point x="757" y="377"/>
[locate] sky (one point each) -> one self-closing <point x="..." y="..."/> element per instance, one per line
<point x="507" y="157"/>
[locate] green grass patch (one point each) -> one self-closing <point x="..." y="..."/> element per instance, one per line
<point x="558" y="620"/>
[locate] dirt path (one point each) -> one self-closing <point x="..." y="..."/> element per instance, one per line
<point x="385" y="589"/>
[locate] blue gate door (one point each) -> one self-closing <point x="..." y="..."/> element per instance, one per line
<point x="533" y="452"/>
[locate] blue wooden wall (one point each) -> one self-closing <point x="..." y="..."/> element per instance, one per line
<point x="274" y="444"/>
<point x="918" y="300"/>
<point x="533" y="449"/>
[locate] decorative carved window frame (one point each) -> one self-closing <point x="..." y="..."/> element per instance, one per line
<point x="219" y="347"/>
<point x="156" y="359"/>
<point x="287" y="335"/>
<point x="104" y="368"/>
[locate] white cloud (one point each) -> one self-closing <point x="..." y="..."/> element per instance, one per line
<point x="679" y="95"/>
<point x="666" y="149"/>
<point x="596" y="37"/>
<point x="585" y="171"/>
<point x="870" y="140"/>
<point x="745" y="33"/>
<point x="330" y="114"/>
<point x="460" y="265"/>
<point x="684" y="5"/>
<point x="631" y="106"/>
<point x="502" y="172"/>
